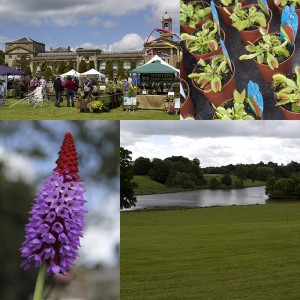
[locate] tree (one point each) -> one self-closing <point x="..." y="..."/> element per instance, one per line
<point x="264" y="173"/>
<point x="48" y="73"/>
<point x="61" y="67"/>
<point x="82" y="67"/>
<point x="226" y="179"/>
<point x="121" y="72"/>
<point x="241" y="172"/>
<point x="28" y="71"/>
<point x="196" y="162"/>
<point x="214" y="183"/>
<point x="282" y="189"/>
<point x="109" y="71"/>
<point x="160" y="170"/>
<point x="91" y="65"/>
<point x="127" y="198"/>
<point x="132" y="64"/>
<point x="70" y="65"/>
<point x="2" y="57"/>
<point x="141" y="166"/>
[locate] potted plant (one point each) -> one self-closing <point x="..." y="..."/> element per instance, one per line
<point x="251" y="21"/>
<point x="193" y="15"/>
<point x="83" y="105"/>
<point x="242" y="107"/>
<point x="280" y="4"/>
<point x="271" y="54"/>
<point x="96" y="106"/>
<point x="105" y="100"/>
<point x="287" y="93"/>
<point x="204" y="42"/>
<point x="215" y="79"/>
<point x="229" y="4"/>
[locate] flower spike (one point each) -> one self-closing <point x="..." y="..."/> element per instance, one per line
<point x="57" y="216"/>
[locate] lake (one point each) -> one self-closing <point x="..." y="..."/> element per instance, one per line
<point x="203" y="198"/>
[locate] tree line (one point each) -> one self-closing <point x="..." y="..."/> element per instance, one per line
<point x="171" y="171"/>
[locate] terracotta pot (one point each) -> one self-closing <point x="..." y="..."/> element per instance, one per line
<point x="297" y="12"/>
<point x="289" y="115"/>
<point x="284" y="68"/>
<point x="210" y="54"/>
<point x="219" y="97"/>
<point x="186" y="28"/>
<point x="223" y="13"/>
<point x="271" y="4"/>
<point x="183" y="70"/>
<point x="187" y="108"/>
<point x="252" y="35"/>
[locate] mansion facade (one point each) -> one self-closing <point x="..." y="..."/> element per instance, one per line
<point x="33" y="54"/>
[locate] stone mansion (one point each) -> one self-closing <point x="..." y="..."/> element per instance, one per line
<point x="35" y="53"/>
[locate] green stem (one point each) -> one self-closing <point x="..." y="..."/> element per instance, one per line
<point x="39" y="286"/>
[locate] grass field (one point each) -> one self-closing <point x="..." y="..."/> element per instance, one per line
<point x="146" y="186"/>
<point x="222" y="253"/>
<point x="23" y="111"/>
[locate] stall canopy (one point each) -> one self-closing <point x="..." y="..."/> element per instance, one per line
<point x="157" y="58"/>
<point x="72" y="73"/>
<point x="5" y="72"/>
<point x="93" y="72"/>
<point x="154" y="67"/>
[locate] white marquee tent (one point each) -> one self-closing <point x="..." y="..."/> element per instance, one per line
<point x="93" y="72"/>
<point x="72" y="73"/>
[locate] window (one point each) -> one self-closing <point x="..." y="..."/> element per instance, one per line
<point x="127" y="65"/>
<point x="18" y="57"/>
<point x="10" y="57"/>
<point x="102" y="65"/>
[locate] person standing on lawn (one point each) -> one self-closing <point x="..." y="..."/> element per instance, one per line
<point x="71" y="86"/>
<point x="58" y="87"/>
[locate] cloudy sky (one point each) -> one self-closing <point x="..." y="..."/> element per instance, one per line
<point x="114" y="24"/>
<point x="214" y="143"/>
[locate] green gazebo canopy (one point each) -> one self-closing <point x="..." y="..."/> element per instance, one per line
<point x="154" y="67"/>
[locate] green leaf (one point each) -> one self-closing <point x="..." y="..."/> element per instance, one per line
<point x="216" y="84"/>
<point x="272" y="61"/>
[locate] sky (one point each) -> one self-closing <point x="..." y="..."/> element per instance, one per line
<point x="106" y="25"/>
<point x="102" y="229"/>
<point x="214" y="143"/>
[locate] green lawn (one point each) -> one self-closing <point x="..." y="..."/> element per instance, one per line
<point x="147" y="186"/>
<point x="49" y="112"/>
<point x="221" y="253"/>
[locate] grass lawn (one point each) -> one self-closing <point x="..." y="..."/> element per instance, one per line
<point x="147" y="186"/>
<point x="221" y="253"/>
<point x="49" y="112"/>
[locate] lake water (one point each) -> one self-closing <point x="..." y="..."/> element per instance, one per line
<point x="203" y="198"/>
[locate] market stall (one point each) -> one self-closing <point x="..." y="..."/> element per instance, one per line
<point x="156" y="78"/>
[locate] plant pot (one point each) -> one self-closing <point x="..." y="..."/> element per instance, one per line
<point x="219" y="97"/>
<point x="253" y="35"/>
<point x="289" y="115"/>
<point x="284" y="68"/>
<point x="187" y="29"/>
<point x="223" y="13"/>
<point x="210" y="54"/>
<point x="296" y="10"/>
<point x="271" y="4"/>
<point x="187" y="109"/>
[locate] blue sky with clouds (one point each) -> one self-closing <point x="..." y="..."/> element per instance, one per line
<point x="114" y="24"/>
